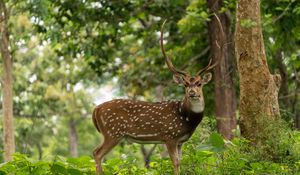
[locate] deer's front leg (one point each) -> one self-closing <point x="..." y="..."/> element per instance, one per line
<point x="172" y="147"/>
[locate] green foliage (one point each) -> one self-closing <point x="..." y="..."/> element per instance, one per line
<point x="49" y="91"/>
<point x="60" y="45"/>
<point x="212" y="155"/>
<point x="279" y="142"/>
<point x="22" y="165"/>
<point x="280" y="20"/>
<point x="215" y="143"/>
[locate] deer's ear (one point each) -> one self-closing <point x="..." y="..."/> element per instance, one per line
<point x="206" y="78"/>
<point x="178" y="79"/>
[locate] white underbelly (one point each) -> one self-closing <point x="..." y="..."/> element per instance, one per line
<point x="136" y="140"/>
<point x="143" y="139"/>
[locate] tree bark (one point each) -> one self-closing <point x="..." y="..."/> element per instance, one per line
<point x="73" y="138"/>
<point x="225" y="97"/>
<point x="7" y="101"/>
<point x="258" y="87"/>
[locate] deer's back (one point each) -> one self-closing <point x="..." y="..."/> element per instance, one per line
<point x="141" y="121"/>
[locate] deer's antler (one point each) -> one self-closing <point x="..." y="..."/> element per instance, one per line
<point x="208" y="67"/>
<point x="168" y="61"/>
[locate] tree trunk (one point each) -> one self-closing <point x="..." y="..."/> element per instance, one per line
<point x="73" y="138"/>
<point x="147" y="154"/>
<point x="297" y="120"/>
<point x="284" y="89"/>
<point x="225" y="97"/>
<point x="258" y="87"/>
<point x="40" y="150"/>
<point x="295" y="109"/>
<point x="7" y="102"/>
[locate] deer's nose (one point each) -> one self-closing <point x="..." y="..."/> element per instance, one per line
<point x="192" y="93"/>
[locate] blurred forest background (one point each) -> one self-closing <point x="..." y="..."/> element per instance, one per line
<point x="69" y="55"/>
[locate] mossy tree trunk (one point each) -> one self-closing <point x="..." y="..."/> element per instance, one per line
<point x="258" y="87"/>
<point x="7" y="80"/>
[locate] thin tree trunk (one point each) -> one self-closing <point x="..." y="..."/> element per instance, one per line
<point x="295" y="109"/>
<point x="284" y="89"/>
<point x="288" y="100"/>
<point x="40" y="150"/>
<point x="297" y="120"/>
<point x="225" y="97"/>
<point x="258" y="87"/>
<point x="73" y="138"/>
<point x="147" y="154"/>
<point x="7" y="102"/>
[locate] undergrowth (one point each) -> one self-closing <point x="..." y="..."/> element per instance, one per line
<point x="208" y="155"/>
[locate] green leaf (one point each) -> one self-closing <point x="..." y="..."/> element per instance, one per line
<point x="58" y="168"/>
<point x="216" y="140"/>
<point x="204" y="147"/>
<point x="81" y="161"/>
<point x="256" y="166"/>
<point x="74" y="171"/>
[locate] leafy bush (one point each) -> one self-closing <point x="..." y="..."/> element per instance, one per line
<point x="22" y="165"/>
<point x="208" y="154"/>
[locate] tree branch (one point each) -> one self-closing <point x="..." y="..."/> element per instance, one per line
<point x="194" y="58"/>
<point x="289" y="95"/>
<point x="283" y="13"/>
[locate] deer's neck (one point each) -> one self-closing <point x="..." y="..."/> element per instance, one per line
<point x="193" y="112"/>
<point x="193" y="106"/>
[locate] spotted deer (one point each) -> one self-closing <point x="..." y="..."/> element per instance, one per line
<point x="168" y="122"/>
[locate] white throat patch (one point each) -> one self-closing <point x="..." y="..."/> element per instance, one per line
<point x="197" y="106"/>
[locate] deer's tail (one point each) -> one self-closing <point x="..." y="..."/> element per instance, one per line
<point x="95" y="121"/>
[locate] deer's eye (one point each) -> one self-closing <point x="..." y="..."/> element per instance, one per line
<point x="198" y="83"/>
<point x="186" y="84"/>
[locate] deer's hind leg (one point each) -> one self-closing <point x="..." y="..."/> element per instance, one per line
<point x="102" y="150"/>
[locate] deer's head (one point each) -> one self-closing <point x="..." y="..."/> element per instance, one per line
<point x="193" y="84"/>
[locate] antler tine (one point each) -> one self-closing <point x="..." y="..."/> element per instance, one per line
<point x="168" y="61"/>
<point x="208" y="67"/>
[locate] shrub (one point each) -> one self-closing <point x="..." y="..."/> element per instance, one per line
<point x="205" y="153"/>
<point x="22" y="165"/>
